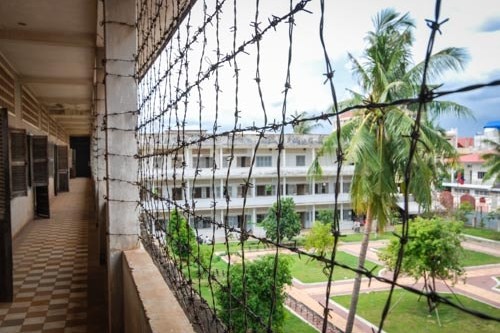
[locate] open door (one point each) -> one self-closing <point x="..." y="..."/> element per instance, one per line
<point x="41" y="175"/>
<point x="6" y="266"/>
<point x="62" y="169"/>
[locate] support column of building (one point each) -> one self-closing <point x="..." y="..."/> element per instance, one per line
<point x="121" y="147"/>
<point x="100" y="150"/>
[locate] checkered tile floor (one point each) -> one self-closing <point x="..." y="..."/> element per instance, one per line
<point x="50" y="269"/>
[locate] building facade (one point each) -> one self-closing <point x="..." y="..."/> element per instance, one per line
<point x="208" y="180"/>
<point x="468" y="178"/>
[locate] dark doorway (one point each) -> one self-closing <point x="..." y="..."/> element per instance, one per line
<point x="81" y="147"/>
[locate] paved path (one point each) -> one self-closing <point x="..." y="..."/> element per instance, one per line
<point x="479" y="284"/>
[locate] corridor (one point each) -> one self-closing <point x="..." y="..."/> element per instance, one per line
<point x="58" y="283"/>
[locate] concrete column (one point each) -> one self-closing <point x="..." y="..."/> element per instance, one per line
<point x="254" y="188"/>
<point x="99" y="154"/>
<point x="121" y="146"/>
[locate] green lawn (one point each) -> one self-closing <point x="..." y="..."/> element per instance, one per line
<point x="296" y="325"/>
<point x="236" y="246"/>
<point x="308" y="271"/>
<point x="484" y="233"/>
<point x="473" y="258"/>
<point x="358" y="237"/>
<point x="411" y="315"/>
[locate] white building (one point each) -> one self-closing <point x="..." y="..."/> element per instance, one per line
<point x="215" y="192"/>
<point x="468" y="178"/>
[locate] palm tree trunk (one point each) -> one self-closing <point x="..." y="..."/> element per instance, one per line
<point x="361" y="263"/>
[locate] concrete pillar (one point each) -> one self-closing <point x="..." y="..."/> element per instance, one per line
<point x="121" y="146"/>
<point x="99" y="151"/>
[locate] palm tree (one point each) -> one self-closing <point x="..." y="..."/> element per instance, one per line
<point x="301" y="127"/>
<point x="377" y="139"/>
<point x="492" y="162"/>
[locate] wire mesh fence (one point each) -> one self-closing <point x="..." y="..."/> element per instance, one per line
<point x="215" y="153"/>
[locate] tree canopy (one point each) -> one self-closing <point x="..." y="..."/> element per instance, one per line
<point x="180" y="236"/>
<point x="259" y="284"/>
<point x="319" y="238"/>
<point x="492" y="162"/>
<point x="434" y="249"/>
<point x="378" y="139"/>
<point x="289" y="223"/>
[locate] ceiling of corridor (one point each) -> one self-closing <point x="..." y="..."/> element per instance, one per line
<point x="51" y="45"/>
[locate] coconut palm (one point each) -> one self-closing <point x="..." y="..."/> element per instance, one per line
<point x="492" y="162"/>
<point x="377" y="139"/>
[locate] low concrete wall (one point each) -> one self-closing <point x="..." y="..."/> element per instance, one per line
<point x="483" y="241"/>
<point x="149" y="304"/>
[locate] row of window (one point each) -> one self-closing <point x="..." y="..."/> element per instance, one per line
<point x="204" y="162"/>
<point x="206" y="192"/>
<point x="32" y="161"/>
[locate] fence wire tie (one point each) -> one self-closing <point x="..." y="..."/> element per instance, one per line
<point x="435" y="25"/>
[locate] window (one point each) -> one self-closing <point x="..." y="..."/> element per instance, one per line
<point x="243" y="161"/>
<point x="264" y="161"/>
<point x="321" y="188"/>
<point x="480" y="174"/>
<point x="346" y="187"/>
<point x="204" y="162"/>
<point x="18" y="166"/>
<point x="266" y="190"/>
<point x="261" y="217"/>
<point x="177" y="193"/>
<point x="201" y="192"/>
<point x="300" y="160"/>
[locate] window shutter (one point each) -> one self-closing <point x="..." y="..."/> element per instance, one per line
<point x="62" y="168"/>
<point x="18" y="165"/>
<point x="40" y="160"/>
<point x="6" y="264"/>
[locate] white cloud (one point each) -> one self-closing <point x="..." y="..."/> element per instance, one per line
<point x="346" y="24"/>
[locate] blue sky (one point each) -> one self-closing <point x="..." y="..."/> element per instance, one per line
<point x="474" y="25"/>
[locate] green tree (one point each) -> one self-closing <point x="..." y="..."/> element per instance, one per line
<point x="289" y="223"/>
<point x="260" y="295"/>
<point x="434" y="250"/>
<point x="180" y="237"/>
<point x="377" y="139"/>
<point x="325" y="216"/>
<point x="319" y="238"/>
<point x="492" y="162"/>
<point x="464" y="209"/>
<point x="302" y="127"/>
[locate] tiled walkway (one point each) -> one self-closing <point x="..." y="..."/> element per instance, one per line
<point x="50" y="268"/>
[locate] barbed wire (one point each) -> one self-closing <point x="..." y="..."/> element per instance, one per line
<point x="179" y="60"/>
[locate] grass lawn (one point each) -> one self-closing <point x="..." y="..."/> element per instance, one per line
<point x="358" y="237"/>
<point x="473" y="258"/>
<point x="309" y="271"/>
<point x="484" y="233"/>
<point x="411" y="315"/>
<point x="236" y="246"/>
<point x="296" y="325"/>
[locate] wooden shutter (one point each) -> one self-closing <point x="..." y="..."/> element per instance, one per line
<point x="18" y="164"/>
<point x="62" y="169"/>
<point x="6" y="267"/>
<point x="40" y="160"/>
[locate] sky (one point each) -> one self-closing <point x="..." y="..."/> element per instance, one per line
<point x="473" y="25"/>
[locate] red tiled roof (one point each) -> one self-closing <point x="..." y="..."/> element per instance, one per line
<point x="465" y="142"/>
<point x="471" y="158"/>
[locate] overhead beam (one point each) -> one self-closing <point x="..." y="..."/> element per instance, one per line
<point x="69" y="113"/>
<point x="49" y="38"/>
<point x="54" y="80"/>
<point x="64" y="100"/>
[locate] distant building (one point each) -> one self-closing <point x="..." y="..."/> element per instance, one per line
<point x="214" y="199"/>
<point x="467" y="179"/>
